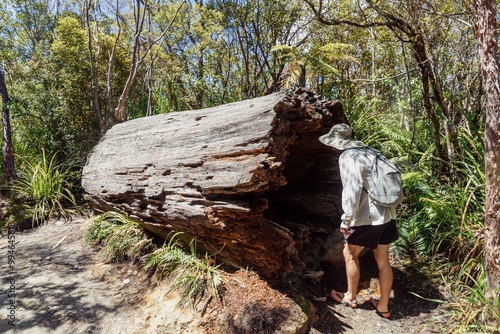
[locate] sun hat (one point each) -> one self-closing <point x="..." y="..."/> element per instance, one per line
<point x="340" y="137"/>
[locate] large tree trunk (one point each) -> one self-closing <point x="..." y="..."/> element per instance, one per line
<point x="7" y="150"/>
<point x="249" y="178"/>
<point x="486" y="36"/>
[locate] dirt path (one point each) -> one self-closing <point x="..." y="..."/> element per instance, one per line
<point x="61" y="286"/>
<point x="409" y="314"/>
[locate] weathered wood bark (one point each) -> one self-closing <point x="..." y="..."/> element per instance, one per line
<point x="485" y="28"/>
<point x="7" y="147"/>
<point x="250" y="178"/>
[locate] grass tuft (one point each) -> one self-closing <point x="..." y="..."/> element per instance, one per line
<point x="120" y="237"/>
<point x="44" y="188"/>
<point x="193" y="275"/>
<point x="473" y="308"/>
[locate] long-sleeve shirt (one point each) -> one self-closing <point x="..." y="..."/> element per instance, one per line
<point x="359" y="209"/>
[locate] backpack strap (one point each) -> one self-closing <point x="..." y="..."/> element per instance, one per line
<point x="369" y="150"/>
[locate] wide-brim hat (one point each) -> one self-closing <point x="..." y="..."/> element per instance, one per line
<point x="340" y="137"/>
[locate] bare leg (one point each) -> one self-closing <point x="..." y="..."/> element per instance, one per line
<point x="351" y="256"/>
<point x="381" y="254"/>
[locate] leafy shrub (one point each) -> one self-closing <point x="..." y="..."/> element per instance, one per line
<point x="446" y="214"/>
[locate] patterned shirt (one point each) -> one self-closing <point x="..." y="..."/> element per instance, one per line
<point x="358" y="207"/>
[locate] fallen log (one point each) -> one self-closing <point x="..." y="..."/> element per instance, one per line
<point x="249" y="179"/>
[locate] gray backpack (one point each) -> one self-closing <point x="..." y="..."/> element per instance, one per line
<point x="385" y="186"/>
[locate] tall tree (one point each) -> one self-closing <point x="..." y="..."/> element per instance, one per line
<point x="254" y="28"/>
<point x="137" y="25"/>
<point x="8" y="152"/>
<point x="142" y="45"/>
<point x="103" y="119"/>
<point x="485" y="28"/>
<point x="405" y="19"/>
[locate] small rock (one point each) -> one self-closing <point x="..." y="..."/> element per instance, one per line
<point x="25" y="293"/>
<point x="126" y="281"/>
<point x="102" y="271"/>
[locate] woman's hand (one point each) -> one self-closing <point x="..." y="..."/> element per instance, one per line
<point x="346" y="231"/>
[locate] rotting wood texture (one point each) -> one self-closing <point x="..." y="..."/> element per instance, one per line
<point x="250" y="178"/>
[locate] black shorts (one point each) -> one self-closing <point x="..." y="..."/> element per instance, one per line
<point x="371" y="236"/>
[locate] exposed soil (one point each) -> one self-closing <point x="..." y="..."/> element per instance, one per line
<point x="62" y="286"/>
<point x="409" y="313"/>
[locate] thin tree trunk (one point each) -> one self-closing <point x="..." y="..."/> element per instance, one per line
<point x="486" y="36"/>
<point x="137" y="57"/>
<point x="95" y="79"/>
<point x="120" y="112"/>
<point x="419" y="50"/>
<point x="109" y="89"/>
<point x="8" y="152"/>
<point x="245" y="90"/>
<point x="200" y="72"/>
<point x="149" y="80"/>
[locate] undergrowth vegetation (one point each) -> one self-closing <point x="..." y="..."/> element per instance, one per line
<point x="471" y="310"/>
<point x="121" y="238"/>
<point x="192" y="275"/>
<point x="44" y="188"/>
<point x="442" y="218"/>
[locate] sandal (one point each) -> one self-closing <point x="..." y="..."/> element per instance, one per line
<point x="385" y="315"/>
<point x="340" y="297"/>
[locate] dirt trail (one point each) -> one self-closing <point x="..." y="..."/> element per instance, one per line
<point x="61" y="286"/>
